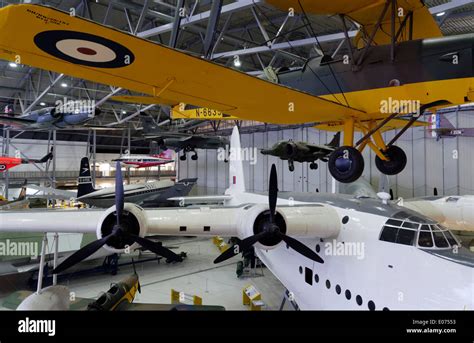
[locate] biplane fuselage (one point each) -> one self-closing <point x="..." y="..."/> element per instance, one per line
<point x="429" y="70"/>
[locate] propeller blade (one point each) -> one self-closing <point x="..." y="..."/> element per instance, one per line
<point x="241" y="246"/>
<point x="156" y="248"/>
<point x="119" y="196"/>
<point x="139" y="287"/>
<point x="81" y="254"/>
<point x="300" y="247"/>
<point x="272" y="192"/>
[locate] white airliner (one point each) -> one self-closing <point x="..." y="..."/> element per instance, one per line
<point x="329" y="251"/>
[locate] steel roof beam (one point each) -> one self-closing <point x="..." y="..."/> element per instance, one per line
<point x="197" y="18"/>
<point x="285" y="45"/>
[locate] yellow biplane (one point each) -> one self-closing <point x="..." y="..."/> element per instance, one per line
<point x="399" y="66"/>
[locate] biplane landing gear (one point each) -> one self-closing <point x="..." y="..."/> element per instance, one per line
<point x="346" y="164"/>
<point x="313" y="166"/>
<point x="397" y="160"/>
<point x="183" y="157"/>
<point x="194" y="157"/>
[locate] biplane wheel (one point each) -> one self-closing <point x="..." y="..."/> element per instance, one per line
<point x="84" y="49"/>
<point x="346" y="164"/>
<point x="3" y="167"/>
<point x="183" y="157"/>
<point x="396" y="163"/>
<point x="194" y="157"/>
<point x="313" y="166"/>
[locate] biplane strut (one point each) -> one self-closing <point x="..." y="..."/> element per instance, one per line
<point x="346" y="163"/>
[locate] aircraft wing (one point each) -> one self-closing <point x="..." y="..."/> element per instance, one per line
<point x="123" y="60"/>
<point x="204" y="221"/>
<point x="393" y="124"/>
<point x="53" y="192"/>
<point x="367" y="12"/>
<point x="15" y="121"/>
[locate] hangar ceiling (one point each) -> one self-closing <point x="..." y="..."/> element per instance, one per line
<point x="259" y="34"/>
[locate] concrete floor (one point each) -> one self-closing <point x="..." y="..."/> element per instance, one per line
<point x="197" y="275"/>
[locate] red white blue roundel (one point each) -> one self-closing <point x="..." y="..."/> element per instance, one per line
<point x="84" y="48"/>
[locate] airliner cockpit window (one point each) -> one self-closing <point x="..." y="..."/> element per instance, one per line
<point x="408" y="229"/>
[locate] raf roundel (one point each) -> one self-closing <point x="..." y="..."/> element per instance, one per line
<point x="84" y="48"/>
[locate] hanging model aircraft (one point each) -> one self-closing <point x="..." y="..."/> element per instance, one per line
<point x="441" y="127"/>
<point x="146" y="161"/>
<point x="303" y="152"/>
<point x="398" y="65"/>
<point x="75" y="115"/>
<point x="330" y="251"/>
<point x="10" y="162"/>
<point x="179" y="141"/>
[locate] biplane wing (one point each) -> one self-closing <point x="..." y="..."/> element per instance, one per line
<point x="393" y="124"/>
<point x="366" y="13"/>
<point x="50" y="39"/>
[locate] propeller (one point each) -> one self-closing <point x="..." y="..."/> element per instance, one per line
<point x="270" y="229"/>
<point x="118" y="234"/>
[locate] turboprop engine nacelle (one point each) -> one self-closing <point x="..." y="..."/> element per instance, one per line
<point x="133" y="221"/>
<point x="301" y="221"/>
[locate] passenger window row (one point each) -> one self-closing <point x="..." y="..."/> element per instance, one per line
<point x="347" y="293"/>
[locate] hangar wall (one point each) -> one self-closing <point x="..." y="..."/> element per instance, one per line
<point x="446" y="164"/>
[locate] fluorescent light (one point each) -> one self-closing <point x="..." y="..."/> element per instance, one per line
<point x="124" y="112"/>
<point x="13" y="65"/>
<point x="64" y="84"/>
<point x="237" y="62"/>
<point x="440" y="14"/>
<point x="42" y="104"/>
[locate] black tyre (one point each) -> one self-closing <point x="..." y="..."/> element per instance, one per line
<point x="313" y="166"/>
<point x="346" y="164"/>
<point x="397" y="161"/>
<point x="194" y="157"/>
<point x="183" y="157"/>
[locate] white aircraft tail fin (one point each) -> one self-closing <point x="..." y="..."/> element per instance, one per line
<point x="236" y="169"/>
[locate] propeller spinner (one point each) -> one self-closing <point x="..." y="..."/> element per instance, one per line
<point x="118" y="234"/>
<point x="270" y="230"/>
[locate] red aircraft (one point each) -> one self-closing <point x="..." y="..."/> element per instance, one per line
<point x="10" y="162"/>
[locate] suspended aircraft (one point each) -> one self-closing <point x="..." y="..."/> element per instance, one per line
<point x="55" y="117"/>
<point x="302" y="152"/>
<point x="399" y="64"/>
<point x="180" y="141"/>
<point x="146" y="161"/>
<point x="10" y="162"/>
<point x="330" y="251"/>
